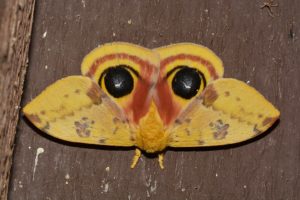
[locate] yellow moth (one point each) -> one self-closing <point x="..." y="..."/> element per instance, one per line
<point x="172" y="96"/>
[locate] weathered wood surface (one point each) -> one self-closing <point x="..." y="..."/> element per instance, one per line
<point x="15" y="28"/>
<point x="255" y="46"/>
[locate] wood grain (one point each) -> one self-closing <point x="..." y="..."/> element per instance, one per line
<point x="255" y="47"/>
<point x="15" y="28"/>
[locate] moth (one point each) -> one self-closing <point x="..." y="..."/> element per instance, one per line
<point x="172" y="96"/>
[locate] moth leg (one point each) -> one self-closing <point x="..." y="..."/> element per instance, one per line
<point x="161" y="160"/>
<point x="136" y="158"/>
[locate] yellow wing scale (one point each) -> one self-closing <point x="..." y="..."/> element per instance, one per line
<point x="228" y="111"/>
<point x="77" y="110"/>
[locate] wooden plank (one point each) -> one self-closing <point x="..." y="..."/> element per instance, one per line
<point x="256" y="47"/>
<point x="15" y="28"/>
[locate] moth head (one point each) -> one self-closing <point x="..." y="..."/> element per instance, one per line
<point x="185" y="70"/>
<point x="125" y="72"/>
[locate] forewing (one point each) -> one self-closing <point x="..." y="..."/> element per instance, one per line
<point x="75" y="109"/>
<point x="228" y="111"/>
<point x="173" y="58"/>
<point x="143" y="65"/>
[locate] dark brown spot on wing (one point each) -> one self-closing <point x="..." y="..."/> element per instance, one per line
<point x="220" y="122"/>
<point x="34" y="118"/>
<point x="260" y="116"/>
<point x="187" y="120"/>
<point x="220" y="130"/>
<point x="256" y="131"/>
<point x="46" y="127"/>
<point x="221" y="133"/>
<point x="102" y="140"/>
<point x="66" y="96"/>
<point x="188" y="132"/>
<point x="132" y="138"/>
<point x="237" y="99"/>
<point x="82" y="129"/>
<point x="43" y="112"/>
<point x="209" y="95"/>
<point x="77" y="91"/>
<point x="116" y="120"/>
<point x="201" y="142"/>
<point x="227" y="93"/>
<point x="178" y="122"/>
<point x="95" y="94"/>
<point x="268" y="120"/>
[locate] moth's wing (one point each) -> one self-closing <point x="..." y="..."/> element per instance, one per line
<point x="75" y="109"/>
<point x="172" y="58"/>
<point x="142" y="64"/>
<point x="228" y="111"/>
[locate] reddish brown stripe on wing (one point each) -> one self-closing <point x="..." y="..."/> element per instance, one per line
<point x="167" y="108"/>
<point x="103" y="59"/>
<point x="140" y="103"/>
<point x="141" y="99"/>
<point x="204" y="62"/>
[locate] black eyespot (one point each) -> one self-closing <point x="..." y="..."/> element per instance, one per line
<point x="118" y="81"/>
<point x="186" y="82"/>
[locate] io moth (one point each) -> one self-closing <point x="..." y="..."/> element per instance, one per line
<point x="172" y="96"/>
